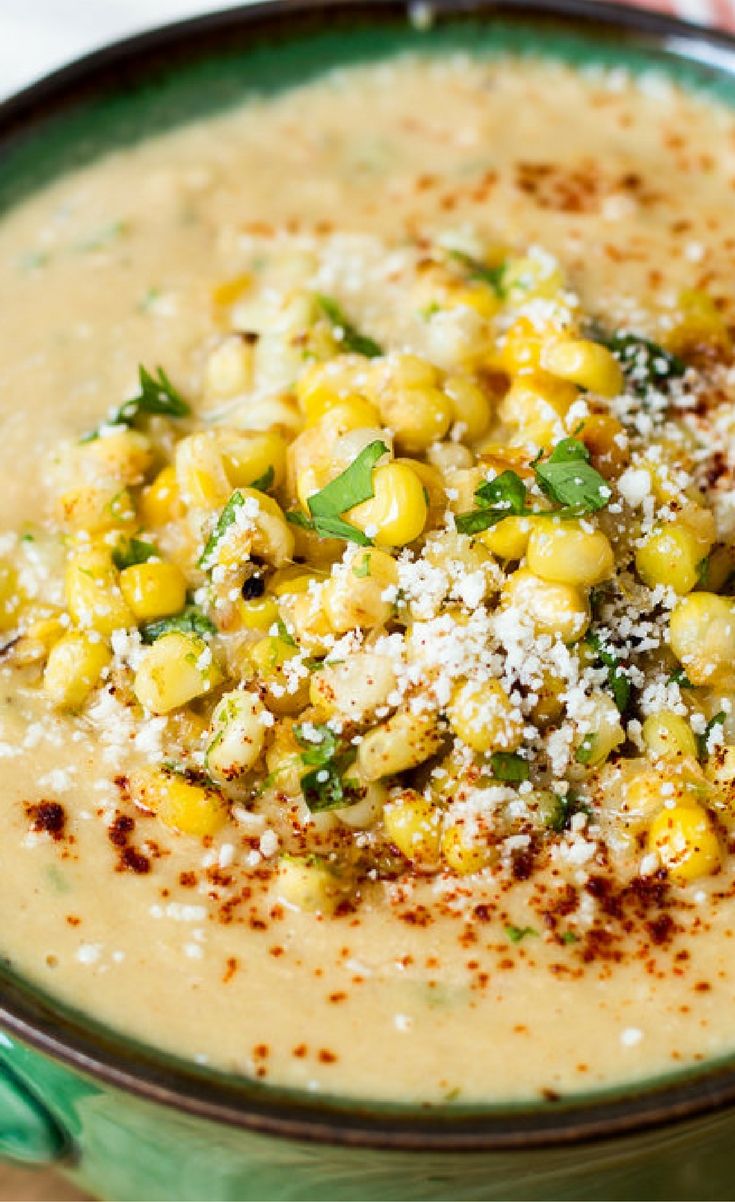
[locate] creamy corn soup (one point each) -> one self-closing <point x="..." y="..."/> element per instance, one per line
<point x="366" y="583"/>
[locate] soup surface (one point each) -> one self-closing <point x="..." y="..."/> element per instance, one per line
<point x="366" y="683"/>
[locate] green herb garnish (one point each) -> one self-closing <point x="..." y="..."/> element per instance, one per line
<point x="564" y="810"/>
<point x="324" y="787"/>
<point x="507" y="766"/>
<point x="190" y="621"/>
<point x="568" y="478"/>
<point x="226" y="519"/>
<point x="498" y="499"/>
<point x="476" y="270"/>
<point x="703" y="739"/>
<point x="353" y="486"/>
<point x="362" y="569"/>
<point x="517" y="934"/>
<point x="586" y="749"/>
<point x="157" y="397"/>
<point x="569" y="937"/>
<point x="284" y="633"/>
<point x="618" y="681"/>
<point x="679" y="676"/>
<point x="346" y="334"/>
<point x="646" y="364"/>
<point x="264" y="482"/>
<point x="130" y="551"/>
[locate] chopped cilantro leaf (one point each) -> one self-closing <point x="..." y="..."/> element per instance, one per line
<point x="284" y="633"/>
<point x="324" y="787"/>
<point x="508" y="766"/>
<point x="264" y="482"/>
<point x="157" y="396"/>
<point x="646" y="365"/>
<point x="353" y="486"/>
<point x="565" y="808"/>
<point x="680" y="677"/>
<point x="703" y="739"/>
<point x="131" y="551"/>
<point x="476" y="270"/>
<point x="586" y="749"/>
<point x="190" y="621"/>
<point x="517" y="934"/>
<point x="362" y="569"/>
<point x="498" y="498"/>
<point x="568" y="478"/>
<point x="224" y="521"/>
<point x="569" y="937"/>
<point x="347" y="335"/>
<point x="618" y="681"/>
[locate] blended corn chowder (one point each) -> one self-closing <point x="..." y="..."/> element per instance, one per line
<point x="367" y="583"/>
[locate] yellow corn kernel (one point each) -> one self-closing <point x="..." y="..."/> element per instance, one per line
<point x="153" y="590"/>
<point x="474" y="295"/>
<point x="252" y="455"/>
<point x="702" y="637"/>
<point x="355" y="688"/>
<point x="270" y="653"/>
<point x="396" y="514"/>
<point x="367" y="800"/>
<point x="259" y="614"/>
<point x="605" y="732"/>
<point x="74" y="668"/>
<point x="323" y="384"/>
<point x="414" y="826"/>
<point x="669" y="736"/>
<point x="404" y="371"/>
<point x="447" y="457"/>
<point x="185" y="806"/>
<point x="670" y="556"/>
<point x="38" y="639"/>
<point x="354" y="596"/>
<point x="266" y="533"/>
<point x="175" y="669"/>
<point x="200" y="472"/>
<point x="267" y="659"/>
<point x="536" y="406"/>
<point x="96" y="508"/>
<point x="404" y="741"/>
<point x="462" y="853"/>
<point x="551" y="608"/>
<point x="532" y="275"/>
<point x="306" y="616"/>
<point x="308" y="883"/>
<point x="341" y="414"/>
<point x="482" y="716"/>
<point x="701" y="523"/>
<point x="566" y="553"/>
<point x="93" y="596"/>
<point x="470" y="405"/>
<point x="160" y="503"/>
<point x="508" y="539"/>
<point x="10" y="599"/>
<point x="229" y="368"/>
<point x="697" y="322"/>
<point x="685" y="840"/>
<point x="417" y="416"/>
<point x="584" y="363"/>
<point x="642" y="798"/>
<point x="237" y="735"/>
<point x="283" y="760"/>
<point x="123" y="455"/>
<point x="228" y="291"/>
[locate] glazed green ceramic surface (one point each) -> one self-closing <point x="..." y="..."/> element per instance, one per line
<point x="116" y="1145"/>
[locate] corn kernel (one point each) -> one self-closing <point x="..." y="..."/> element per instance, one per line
<point x="566" y="553"/>
<point x="38" y="639"/>
<point x="481" y="715"/>
<point x="686" y="842"/>
<point x="536" y="406"/>
<point x="698" y="322"/>
<point x="404" y="741"/>
<point x="93" y="595"/>
<point x="175" y="669"/>
<point x="10" y="599"/>
<point x="355" y="688"/>
<point x="606" y="440"/>
<point x="670" y="556"/>
<point x="251" y="455"/>
<point x="417" y="416"/>
<point x="508" y="539"/>
<point x="308" y="883"/>
<point x="552" y="608"/>
<point x="462" y="853"/>
<point x="668" y="736"/>
<point x="470" y="405"/>
<point x="229" y="368"/>
<point x="96" y="508"/>
<point x="187" y="807"/>
<point x="414" y="826"/>
<point x="354" y="596"/>
<point x="396" y="514"/>
<point x="74" y="668"/>
<point x="160" y="503"/>
<point x="200" y="472"/>
<point x="605" y="733"/>
<point x="702" y="637"/>
<point x="260" y="614"/>
<point x="122" y="455"/>
<point x="343" y="413"/>
<point x="532" y="275"/>
<point x="325" y="384"/>
<point x="237" y="735"/>
<point x="587" y="364"/>
<point x="228" y="291"/>
<point x="153" y="590"/>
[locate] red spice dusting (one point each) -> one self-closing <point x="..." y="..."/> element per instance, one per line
<point x="129" y="859"/>
<point x="47" y="816"/>
<point x="230" y="969"/>
<point x="327" y="1057"/>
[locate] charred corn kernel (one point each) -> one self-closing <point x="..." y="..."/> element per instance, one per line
<point x="93" y="595"/>
<point x="260" y="614"/>
<point x="307" y="618"/>
<point x="607" y="443"/>
<point x="702" y="637"/>
<point x="38" y="639"/>
<point x="697" y="322"/>
<point x="74" y="668"/>
<point x="604" y="735"/>
<point x="200" y="472"/>
<point x="463" y="853"/>
<point x="153" y="590"/>
<point x="237" y="735"/>
<point x="566" y="553"/>
<point x="471" y="409"/>
<point x="10" y="599"/>
<point x="228" y="291"/>
<point x="532" y="275"/>
<point x="96" y="508"/>
<point x="417" y="416"/>
<point x="250" y="456"/>
<point x="367" y="801"/>
<point x="160" y="503"/>
<point x="359" y="593"/>
<point x="229" y="368"/>
<point x="482" y="716"/>
<point x="508" y="539"/>
<point x="308" y="883"/>
<point x="355" y="688"/>
<point x="343" y="413"/>
<point x="404" y="741"/>
<point x="123" y="455"/>
<point x="414" y="826"/>
<point x="584" y="363"/>
<point x="671" y="555"/>
<point x="265" y="533"/>
<point x="536" y="406"/>
<point x="551" y="608"/>
<point x="396" y="514"/>
<point x="325" y="384"/>
<point x="174" y="670"/>
<point x="182" y="804"/>
<point x="283" y="760"/>
<point x="685" y="840"/>
<point x="669" y="736"/>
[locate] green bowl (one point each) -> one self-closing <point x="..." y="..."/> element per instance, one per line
<point x="126" y="1121"/>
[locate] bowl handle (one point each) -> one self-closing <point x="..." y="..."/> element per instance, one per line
<point x="28" y="1134"/>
